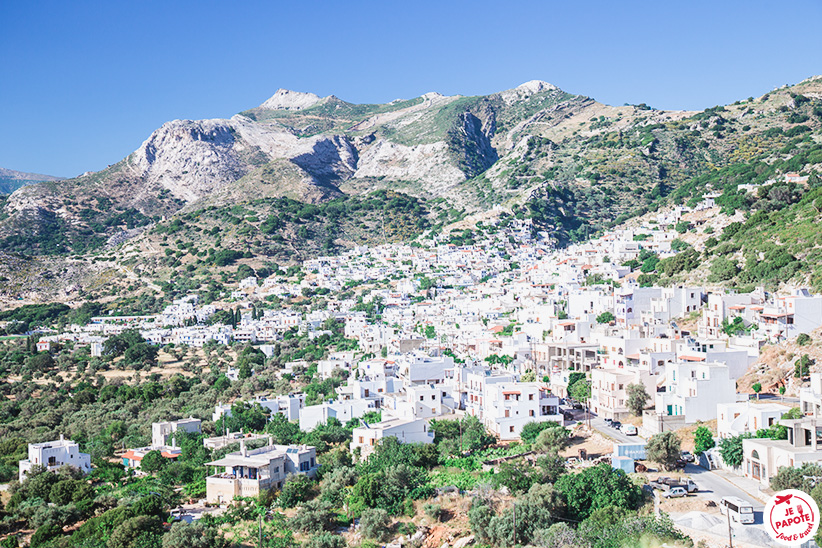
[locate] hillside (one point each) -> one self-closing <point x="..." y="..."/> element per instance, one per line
<point x="571" y="164"/>
<point x="11" y="180"/>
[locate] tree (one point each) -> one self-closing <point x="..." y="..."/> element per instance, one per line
<point x="703" y="440"/>
<point x="606" y="317"/>
<point x="153" y="461"/>
<point x="531" y="430"/>
<point x="757" y="387"/>
<point x="552" y="439"/>
<point x="517" y="476"/>
<point x="137" y="532"/>
<point x="194" y="535"/>
<point x="803" y="366"/>
<point x="637" y="398"/>
<point x="664" y="448"/>
<point x="314" y="517"/>
<point x="782" y="391"/>
<point x="581" y="390"/>
<point x="375" y="523"/>
<point x="731" y="450"/>
<point x="803" y="339"/>
<point x="573" y="378"/>
<point x="597" y="487"/>
<point x="296" y="489"/>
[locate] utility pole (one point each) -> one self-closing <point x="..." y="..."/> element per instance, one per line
<point x="261" y="530"/>
<point x="730" y="534"/>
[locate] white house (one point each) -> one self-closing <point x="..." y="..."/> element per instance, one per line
<point x="510" y="406"/>
<point x="406" y="431"/>
<point x="735" y="418"/>
<point x="53" y="455"/>
<point x="692" y="390"/>
<point x="161" y="430"/>
<point x="247" y="473"/>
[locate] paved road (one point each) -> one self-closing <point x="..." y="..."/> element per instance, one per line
<point x="617" y="435"/>
<point x="714" y="487"/>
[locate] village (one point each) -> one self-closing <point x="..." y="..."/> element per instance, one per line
<point x="511" y="331"/>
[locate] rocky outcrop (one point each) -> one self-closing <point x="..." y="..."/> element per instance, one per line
<point x="190" y="158"/>
<point x="285" y="99"/>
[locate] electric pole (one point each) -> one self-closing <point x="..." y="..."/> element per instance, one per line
<point x="730" y="534"/>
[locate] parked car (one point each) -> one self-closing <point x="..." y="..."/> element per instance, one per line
<point x="609" y="422"/>
<point x="616" y="424"/>
<point x="675" y="492"/>
<point x="629" y="430"/>
<point x="687" y="456"/>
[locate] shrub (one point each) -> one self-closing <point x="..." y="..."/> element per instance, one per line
<point x="375" y="523"/>
<point x="433" y="511"/>
<point x="803" y="339"/>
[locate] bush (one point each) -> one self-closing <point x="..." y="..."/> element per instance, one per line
<point x="375" y="523"/>
<point x="325" y="540"/>
<point x="194" y="535"/>
<point x="731" y="450"/>
<point x="433" y="511"/>
<point x="803" y="339"/>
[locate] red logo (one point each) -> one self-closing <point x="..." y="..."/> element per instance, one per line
<point x="791" y="517"/>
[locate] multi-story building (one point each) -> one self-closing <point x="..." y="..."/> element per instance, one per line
<point x="160" y="431"/>
<point x="247" y="473"/>
<point x="54" y="454"/>
<point x="510" y="406"/>
<point x="692" y="390"/>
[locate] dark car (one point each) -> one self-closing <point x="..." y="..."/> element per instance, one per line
<point x="616" y="424"/>
<point x="609" y="422"/>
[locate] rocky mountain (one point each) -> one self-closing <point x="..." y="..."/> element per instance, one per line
<point x="11" y="180"/>
<point x="568" y="162"/>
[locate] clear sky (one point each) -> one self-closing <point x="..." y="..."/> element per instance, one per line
<point x="83" y="83"/>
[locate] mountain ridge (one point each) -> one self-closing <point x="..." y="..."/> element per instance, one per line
<point x="571" y="163"/>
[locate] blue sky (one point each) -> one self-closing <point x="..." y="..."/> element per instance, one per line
<point x="83" y="83"/>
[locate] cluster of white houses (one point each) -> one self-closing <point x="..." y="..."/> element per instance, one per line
<point x="510" y="307"/>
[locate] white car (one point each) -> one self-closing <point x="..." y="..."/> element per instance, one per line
<point x="629" y="430"/>
<point x="675" y="492"/>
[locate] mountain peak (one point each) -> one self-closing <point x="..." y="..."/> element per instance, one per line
<point x="536" y="86"/>
<point x="285" y="99"/>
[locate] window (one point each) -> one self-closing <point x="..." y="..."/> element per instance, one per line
<point x="507" y="412"/>
<point x="531" y="397"/>
<point x="531" y="413"/>
<point x="433" y="397"/>
<point x="361" y="439"/>
<point x="421" y="398"/>
<point x="510" y="428"/>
